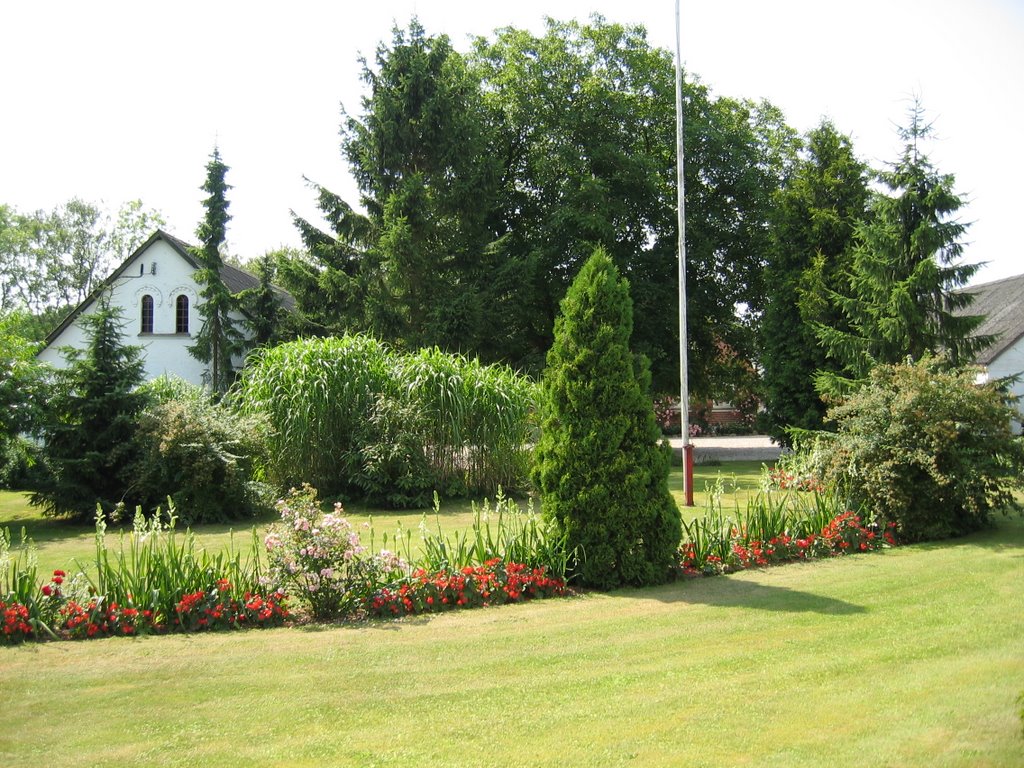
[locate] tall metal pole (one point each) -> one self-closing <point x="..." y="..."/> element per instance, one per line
<point x="684" y="389"/>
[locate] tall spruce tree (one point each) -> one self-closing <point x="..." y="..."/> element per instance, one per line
<point x="89" y="430"/>
<point x="602" y="474"/>
<point x="218" y="339"/>
<point x="416" y="268"/>
<point x="816" y="213"/>
<point x="901" y="301"/>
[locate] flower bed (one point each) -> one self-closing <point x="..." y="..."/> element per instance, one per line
<point x="846" y="533"/>
<point x="493" y="583"/>
<point x="56" y="617"/>
<point x="319" y="570"/>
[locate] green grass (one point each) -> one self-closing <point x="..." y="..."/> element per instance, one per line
<point x="910" y="657"/>
<point x="59" y="543"/>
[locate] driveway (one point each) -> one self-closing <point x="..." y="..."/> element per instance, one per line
<point x="745" y="448"/>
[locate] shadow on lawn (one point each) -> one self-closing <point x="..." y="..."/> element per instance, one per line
<point x="1006" y="534"/>
<point x="727" y="592"/>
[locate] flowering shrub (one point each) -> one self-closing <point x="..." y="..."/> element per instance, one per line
<point x="321" y="558"/>
<point x="493" y="583"/>
<point x="928" y="447"/>
<point x="779" y="478"/>
<point x="844" y="534"/>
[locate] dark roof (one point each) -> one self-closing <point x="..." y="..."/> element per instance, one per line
<point x="236" y="280"/>
<point x="1002" y="304"/>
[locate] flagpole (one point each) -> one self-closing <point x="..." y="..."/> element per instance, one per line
<point x="684" y="391"/>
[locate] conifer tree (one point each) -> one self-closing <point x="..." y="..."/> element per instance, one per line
<point x="89" y="433"/>
<point x="901" y="302"/>
<point x="218" y="339"/>
<point x="261" y="304"/>
<point x="602" y="474"/>
<point x="816" y="213"/>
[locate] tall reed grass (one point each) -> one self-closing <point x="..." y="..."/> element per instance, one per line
<point x="332" y="403"/>
<point x="318" y="395"/>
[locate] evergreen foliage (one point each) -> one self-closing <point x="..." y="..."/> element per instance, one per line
<point x="218" y="339"/>
<point x="416" y="269"/>
<point x="488" y="179"/>
<point x="90" y="427"/>
<point x="824" y="198"/>
<point x="901" y="300"/>
<point x="261" y="304"/>
<point x="601" y="472"/>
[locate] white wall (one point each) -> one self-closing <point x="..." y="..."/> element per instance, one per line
<point x="1010" y="363"/>
<point x="164" y="351"/>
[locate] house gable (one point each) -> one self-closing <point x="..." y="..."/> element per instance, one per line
<point x="156" y="291"/>
<point x="1002" y="304"/>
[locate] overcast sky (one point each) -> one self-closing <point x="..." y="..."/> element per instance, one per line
<point x="113" y="101"/>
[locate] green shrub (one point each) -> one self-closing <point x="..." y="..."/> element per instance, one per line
<point x="20" y="464"/>
<point x="927" y="448"/>
<point x="602" y="474"/>
<point x="201" y="455"/>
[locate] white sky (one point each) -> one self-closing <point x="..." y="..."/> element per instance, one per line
<point x="118" y="100"/>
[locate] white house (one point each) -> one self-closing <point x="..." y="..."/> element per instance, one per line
<point x="156" y="291"/>
<point x="1002" y="304"/>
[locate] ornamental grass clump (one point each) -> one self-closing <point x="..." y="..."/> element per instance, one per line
<point x="317" y="395"/>
<point x="350" y="415"/>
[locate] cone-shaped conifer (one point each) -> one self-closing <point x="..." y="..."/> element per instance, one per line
<point x="602" y="474"/>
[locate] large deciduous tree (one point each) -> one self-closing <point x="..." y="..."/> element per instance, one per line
<point x="218" y="339"/>
<point x="51" y="261"/>
<point x="901" y="301"/>
<point x="488" y="180"/>
<point x="816" y="213"/>
<point x="585" y="118"/>
<point x="602" y="474"/>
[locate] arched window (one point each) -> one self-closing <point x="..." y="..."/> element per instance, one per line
<point x="146" y="326"/>
<point x="181" y="314"/>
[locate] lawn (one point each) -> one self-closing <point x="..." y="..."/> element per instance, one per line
<point x="59" y="543"/>
<point x="909" y="657"/>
